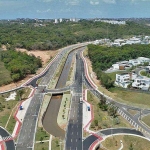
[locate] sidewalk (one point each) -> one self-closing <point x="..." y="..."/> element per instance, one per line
<point x="87" y="115"/>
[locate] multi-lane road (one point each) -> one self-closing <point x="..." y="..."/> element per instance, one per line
<point x="74" y="130"/>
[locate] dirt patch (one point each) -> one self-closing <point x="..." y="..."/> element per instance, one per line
<point x="45" y="57"/>
<point x="91" y="73"/>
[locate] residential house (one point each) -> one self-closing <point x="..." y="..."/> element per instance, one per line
<point x="134" y="62"/>
<point x="141" y="83"/>
<point x="124" y="79"/>
<point x="120" y="65"/>
<point x="143" y="60"/>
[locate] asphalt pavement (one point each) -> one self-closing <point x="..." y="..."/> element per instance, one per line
<point x="74" y="129"/>
<point x="10" y="143"/>
<point x="27" y="133"/>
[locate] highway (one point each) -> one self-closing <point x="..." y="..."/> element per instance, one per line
<point x="74" y="130"/>
<point x="27" y="133"/>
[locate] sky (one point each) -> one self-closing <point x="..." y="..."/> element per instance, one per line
<point x="51" y="9"/>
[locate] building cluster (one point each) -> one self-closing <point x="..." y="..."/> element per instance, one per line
<point x="121" y="42"/>
<point x="114" y="22"/>
<point x="132" y="78"/>
<point x="132" y="40"/>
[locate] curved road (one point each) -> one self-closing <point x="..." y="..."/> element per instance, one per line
<point x="90" y="139"/>
<point x="5" y="135"/>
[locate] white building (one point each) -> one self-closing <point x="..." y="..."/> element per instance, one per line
<point x="141" y="83"/>
<point x="133" y="40"/>
<point x="143" y="59"/>
<point x="56" y="21"/>
<point x="60" y="20"/>
<point x="120" y="65"/>
<point x="125" y="79"/>
<point x="114" y="22"/>
<point x="134" y="62"/>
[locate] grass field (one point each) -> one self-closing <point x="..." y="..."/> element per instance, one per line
<point x="6" y="109"/>
<point x="41" y="146"/>
<point x="57" y="144"/>
<point x="41" y="134"/>
<point x="146" y="120"/>
<point x="5" y="77"/>
<point x="104" y="120"/>
<point x="131" y="97"/>
<point x="113" y="143"/>
<point x="113" y="74"/>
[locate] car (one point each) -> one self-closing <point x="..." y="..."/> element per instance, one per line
<point x="88" y="108"/>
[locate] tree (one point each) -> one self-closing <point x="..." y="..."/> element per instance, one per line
<point x="112" y="110"/>
<point x="96" y="122"/>
<point x="102" y="104"/>
<point x="131" y="147"/>
<point x="116" y="120"/>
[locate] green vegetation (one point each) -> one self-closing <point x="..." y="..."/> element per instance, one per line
<point x="11" y="124"/>
<point x="144" y="73"/>
<point x="6" y="109"/>
<point x="129" y="143"/>
<point x="130" y="97"/>
<point x="53" y="36"/>
<point x="19" y="64"/>
<point x="102" y="116"/>
<point x="41" y="134"/>
<point x="112" y="75"/>
<point x="57" y="144"/>
<point x="41" y="146"/>
<point x="146" y="120"/>
<point x="5" y="77"/>
<point x="63" y="113"/>
<point x="103" y="58"/>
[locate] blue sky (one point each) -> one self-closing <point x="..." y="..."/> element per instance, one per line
<point x="11" y="9"/>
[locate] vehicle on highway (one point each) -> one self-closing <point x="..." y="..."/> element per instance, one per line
<point x="81" y="101"/>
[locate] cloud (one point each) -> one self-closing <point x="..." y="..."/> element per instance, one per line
<point x="110" y="1"/>
<point x="45" y="1"/>
<point x="43" y="11"/>
<point x="72" y="2"/>
<point x="93" y="2"/>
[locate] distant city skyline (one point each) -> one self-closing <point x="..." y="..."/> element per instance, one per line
<point x="51" y="9"/>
